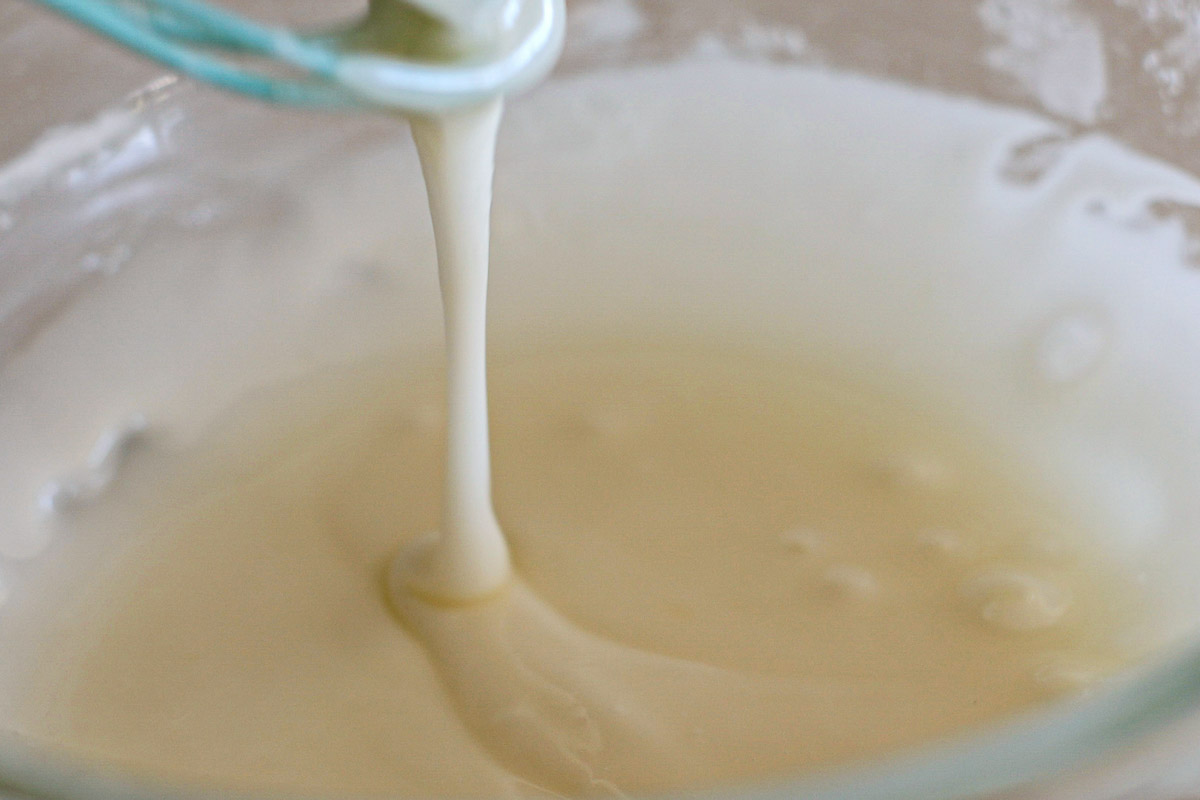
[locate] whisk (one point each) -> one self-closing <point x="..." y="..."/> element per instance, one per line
<point x="418" y="56"/>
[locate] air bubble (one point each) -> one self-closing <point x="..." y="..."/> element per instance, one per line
<point x="200" y="215"/>
<point x="1016" y="600"/>
<point x="1061" y="674"/>
<point x="848" y="582"/>
<point x="917" y="471"/>
<point x="67" y="494"/>
<point x="603" y="422"/>
<point x="1071" y="348"/>
<point x="803" y="540"/>
<point x="942" y="542"/>
<point x="107" y="263"/>
<point x="613" y="421"/>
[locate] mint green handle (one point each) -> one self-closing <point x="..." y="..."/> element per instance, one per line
<point x="317" y="70"/>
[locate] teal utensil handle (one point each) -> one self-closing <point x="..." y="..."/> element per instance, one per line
<point x="213" y="45"/>
<point x="182" y="35"/>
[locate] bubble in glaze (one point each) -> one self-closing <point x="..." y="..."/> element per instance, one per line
<point x="68" y="493"/>
<point x="849" y="582"/>
<point x="107" y="263"/>
<point x="942" y="542"/>
<point x="1016" y="600"/>
<point x="604" y="422"/>
<point x="200" y="215"/>
<point x="803" y="540"/>
<point x="916" y="471"/>
<point x="615" y="421"/>
<point x="1071" y="348"/>
<point x="1065" y="674"/>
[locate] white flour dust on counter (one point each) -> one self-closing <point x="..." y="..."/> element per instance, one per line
<point x="758" y="338"/>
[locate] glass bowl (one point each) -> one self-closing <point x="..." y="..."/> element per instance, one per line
<point x="110" y="157"/>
